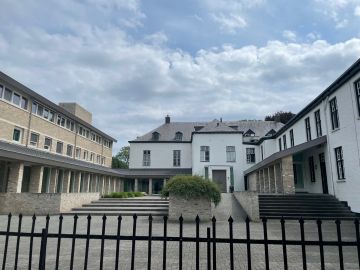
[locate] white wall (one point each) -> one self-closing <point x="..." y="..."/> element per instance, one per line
<point x="161" y="155"/>
<point x="217" y="144"/>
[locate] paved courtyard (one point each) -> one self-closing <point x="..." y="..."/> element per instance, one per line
<point x="274" y="232"/>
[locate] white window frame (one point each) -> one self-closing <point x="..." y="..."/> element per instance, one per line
<point x="204" y="153"/>
<point x="147" y="158"/>
<point x="230" y="153"/>
<point x="20" y="134"/>
<point x="47" y="147"/>
<point x="71" y="150"/>
<point x="250" y="153"/>
<point x="176" y="158"/>
<point x="34" y="143"/>
<point x="62" y="147"/>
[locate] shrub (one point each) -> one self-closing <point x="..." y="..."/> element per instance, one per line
<point x="124" y="195"/>
<point x="192" y="187"/>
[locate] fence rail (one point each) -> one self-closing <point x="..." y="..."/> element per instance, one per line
<point x="210" y="240"/>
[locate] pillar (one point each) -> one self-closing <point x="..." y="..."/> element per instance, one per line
<point x="77" y="181"/>
<point x="272" y="180"/>
<point x="150" y="186"/>
<point x="15" y="177"/>
<point x="266" y="181"/>
<point x="261" y="180"/>
<point x="53" y="180"/>
<point x="164" y="182"/>
<point x="277" y="176"/>
<point x="136" y="188"/>
<point x="87" y="182"/>
<point x="36" y="179"/>
<point x="287" y="175"/>
<point x="66" y="183"/>
<point x="257" y="182"/>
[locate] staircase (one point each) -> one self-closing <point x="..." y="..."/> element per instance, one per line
<point x="308" y="206"/>
<point x="141" y="206"/>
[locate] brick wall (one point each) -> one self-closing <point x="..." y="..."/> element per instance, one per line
<point x="189" y="209"/>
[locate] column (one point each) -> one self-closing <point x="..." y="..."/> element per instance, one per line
<point x="136" y="188"/>
<point x="77" y="181"/>
<point x="272" y="180"/>
<point x="53" y="180"/>
<point x="15" y="177"/>
<point x="164" y="182"/>
<point x="257" y="182"/>
<point x="261" y="180"/>
<point x="87" y="182"/>
<point x="287" y="175"/>
<point x="150" y="186"/>
<point x="266" y="180"/>
<point x="36" y="179"/>
<point x="66" y="183"/>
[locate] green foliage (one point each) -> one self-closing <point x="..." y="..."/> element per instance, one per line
<point x="192" y="187"/>
<point x="124" y="195"/>
<point x="121" y="159"/>
<point x="280" y="116"/>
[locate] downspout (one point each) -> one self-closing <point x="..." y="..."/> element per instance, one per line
<point x="328" y="142"/>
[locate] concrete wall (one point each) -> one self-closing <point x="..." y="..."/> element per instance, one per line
<point x="161" y="155"/>
<point x="189" y="209"/>
<point x="43" y="203"/>
<point x="249" y="201"/>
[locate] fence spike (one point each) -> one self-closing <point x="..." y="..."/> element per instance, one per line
<point x="213" y="219"/>
<point x="231" y="220"/>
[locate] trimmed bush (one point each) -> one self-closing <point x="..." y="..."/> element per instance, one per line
<point x="192" y="187"/>
<point x="124" y="195"/>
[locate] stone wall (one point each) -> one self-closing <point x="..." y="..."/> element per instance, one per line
<point x="249" y="201"/>
<point x="43" y="203"/>
<point x="189" y="209"/>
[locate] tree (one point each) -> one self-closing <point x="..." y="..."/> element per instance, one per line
<point x="280" y="116"/>
<point x="121" y="159"/>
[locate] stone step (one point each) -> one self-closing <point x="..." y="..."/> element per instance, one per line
<point x="120" y="209"/>
<point x="125" y="205"/>
<point x="111" y="213"/>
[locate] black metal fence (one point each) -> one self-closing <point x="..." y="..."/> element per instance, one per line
<point x="210" y="241"/>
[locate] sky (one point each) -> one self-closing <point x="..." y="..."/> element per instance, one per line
<point x="132" y="62"/>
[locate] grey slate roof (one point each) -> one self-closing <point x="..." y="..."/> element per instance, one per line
<point x="167" y="131"/>
<point x="146" y="173"/>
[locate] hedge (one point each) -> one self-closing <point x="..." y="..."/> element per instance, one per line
<point x="124" y="195"/>
<point x="192" y="187"/>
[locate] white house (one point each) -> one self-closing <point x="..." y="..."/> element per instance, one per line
<point x="317" y="151"/>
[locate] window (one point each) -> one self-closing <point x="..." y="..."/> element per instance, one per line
<point x="69" y="150"/>
<point x="47" y="143"/>
<point x="107" y="143"/>
<point x="16" y="99"/>
<point x="280" y="146"/>
<point x="334" y="114"/>
<point x="250" y="155"/>
<point x="98" y="159"/>
<point x="176" y="158"/>
<point x="312" y="169"/>
<point x="92" y="157"/>
<point x="249" y="133"/>
<point x="24" y="103"/>
<point x="78" y="153"/>
<point x="86" y="154"/>
<point x="292" y="143"/>
<point x="318" y="124"/>
<point x="59" y="147"/>
<point x="17" y="135"/>
<point x="204" y="153"/>
<point x="155" y="136"/>
<point x="357" y="94"/>
<point x="339" y="163"/>
<point x="230" y="154"/>
<point x="40" y="110"/>
<point x="1" y="90"/>
<point x="308" y="129"/>
<point x="103" y="159"/>
<point x="34" y="139"/>
<point x="178" y="136"/>
<point x="262" y="152"/>
<point x="284" y="141"/>
<point x="8" y="94"/>
<point x="146" y="158"/>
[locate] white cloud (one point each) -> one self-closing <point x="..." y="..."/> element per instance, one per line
<point x="289" y="35"/>
<point x="313" y="36"/>
<point x="230" y="23"/>
<point x="357" y="11"/>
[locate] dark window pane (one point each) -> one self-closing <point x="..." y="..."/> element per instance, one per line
<point x="24" y="103"/>
<point x="8" y="94"/>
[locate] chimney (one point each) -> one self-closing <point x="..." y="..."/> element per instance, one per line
<point x="167" y="119"/>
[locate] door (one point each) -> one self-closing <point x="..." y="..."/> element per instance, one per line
<point x="298" y="176"/>
<point x="323" y="173"/>
<point x="25" y="187"/>
<point x="219" y="177"/>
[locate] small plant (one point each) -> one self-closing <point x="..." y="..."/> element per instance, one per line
<point x="192" y="187"/>
<point x="122" y="195"/>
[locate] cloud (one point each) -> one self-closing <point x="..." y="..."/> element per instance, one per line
<point x="357" y="11"/>
<point x="230" y="23"/>
<point x="289" y="35"/>
<point x="131" y="84"/>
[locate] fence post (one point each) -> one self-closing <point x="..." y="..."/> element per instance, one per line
<point x="42" y="258"/>
<point x="283" y="237"/>
<point x="214" y="241"/>
<point x="266" y="247"/>
<point x="341" y="258"/>
<point x="248" y="247"/>
<point x="231" y="240"/>
<point x="208" y="248"/>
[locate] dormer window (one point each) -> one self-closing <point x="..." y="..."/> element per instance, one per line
<point x="249" y="133"/>
<point x="197" y="128"/>
<point x="234" y="127"/>
<point x="270" y="133"/>
<point x="178" y="136"/>
<point x="155" y="136"/>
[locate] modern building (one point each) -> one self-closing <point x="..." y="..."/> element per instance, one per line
<point x="317" y="151"/>
<point x="51" y="156"/>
